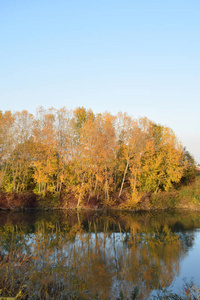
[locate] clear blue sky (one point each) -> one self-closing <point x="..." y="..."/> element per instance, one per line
<point x="138" y="56"/>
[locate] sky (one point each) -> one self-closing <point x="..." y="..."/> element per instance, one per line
<point x="136" y="56"/>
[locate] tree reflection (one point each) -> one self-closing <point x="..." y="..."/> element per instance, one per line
<point x="69" y="255"/>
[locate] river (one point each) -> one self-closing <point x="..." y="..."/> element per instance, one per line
<point x="98" y="254"/>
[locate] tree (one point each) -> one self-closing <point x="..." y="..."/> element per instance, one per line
<point x="190" y="172"/>
<point x="7" y="143"/>
<point x="162" y="160"/>
<point x="45" y="153"/>
<point x="132" y="137"/>
<point x="65" y="146"/>
<point x="19" y="170"/>
<point x="95" y="156"/>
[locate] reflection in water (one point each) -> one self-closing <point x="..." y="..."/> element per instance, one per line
<point x="65" y="255"/>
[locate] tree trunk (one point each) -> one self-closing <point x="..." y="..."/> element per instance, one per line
<point x="125" y="171"/>
<point x="157" y="187"/>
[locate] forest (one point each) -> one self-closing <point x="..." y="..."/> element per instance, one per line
<point x="61" y="157"/>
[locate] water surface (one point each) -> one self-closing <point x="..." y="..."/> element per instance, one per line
<point x="97" y="255"/>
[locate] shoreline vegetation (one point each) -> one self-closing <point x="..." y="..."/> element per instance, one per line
<point x="67" y="159"/>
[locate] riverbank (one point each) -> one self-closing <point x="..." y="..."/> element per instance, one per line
<point x="183" y="197"/>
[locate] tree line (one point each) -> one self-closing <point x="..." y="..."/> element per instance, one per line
<point x="61" y="151"/>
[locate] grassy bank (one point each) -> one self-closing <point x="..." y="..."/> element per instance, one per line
<point x="186" y="197"/>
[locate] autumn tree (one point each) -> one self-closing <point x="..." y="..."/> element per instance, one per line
<point x="132" y="135"/>
<point x="21" y="159"/>
<point x="162" y="160"/>
<point x="6" y="143"/>
<point x="45" y="154"/>
<point x="96" y="153"/>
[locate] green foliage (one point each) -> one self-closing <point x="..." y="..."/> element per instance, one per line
<point x="190" y="195"/>
<point x="190" y="172"/>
